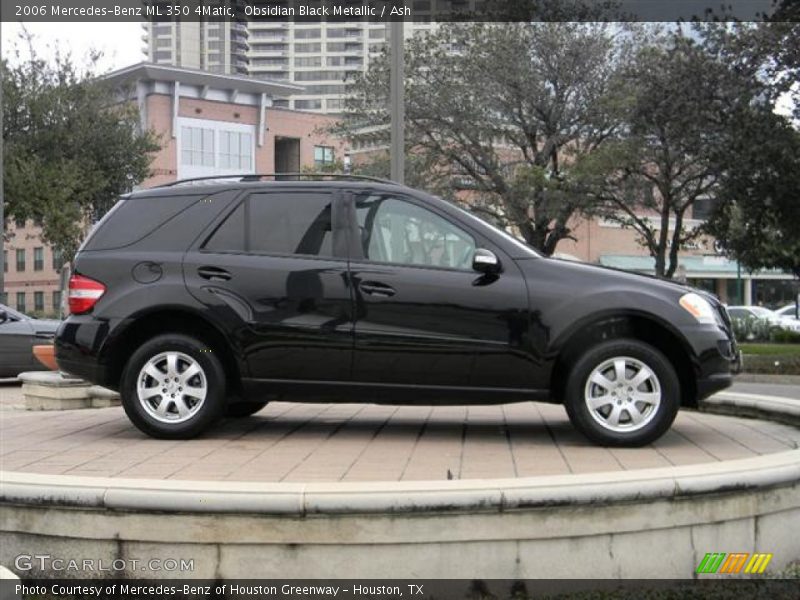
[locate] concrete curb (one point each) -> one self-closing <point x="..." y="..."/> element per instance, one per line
<point x="771" y="408"/>
<point x="765" y="378"/>
<point x="400" y="497"/>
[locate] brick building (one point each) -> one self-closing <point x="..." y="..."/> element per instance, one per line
<point x="208" y="124"/>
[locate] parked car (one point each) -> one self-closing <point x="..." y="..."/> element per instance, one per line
<point x="18" y="335"/>
<point x="759" y="312"/>
<point x="196" y="300"/>
<point x="789" y="312"/>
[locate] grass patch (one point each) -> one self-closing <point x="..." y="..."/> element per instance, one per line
<point x="770" y="349"/>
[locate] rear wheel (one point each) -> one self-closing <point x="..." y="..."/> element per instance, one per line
<point x="622" y="393"/>
<point x="173" y="387"/>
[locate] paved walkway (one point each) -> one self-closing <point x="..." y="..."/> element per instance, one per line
<point x="350" y="442"/>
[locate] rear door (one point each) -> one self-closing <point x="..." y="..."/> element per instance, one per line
<point x="273" y="273"/>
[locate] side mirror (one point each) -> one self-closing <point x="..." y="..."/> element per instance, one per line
<point x="485" y="261"/>
<point x="3" y="316"/>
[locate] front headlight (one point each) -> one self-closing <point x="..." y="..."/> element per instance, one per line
<point x="699" y="307"/>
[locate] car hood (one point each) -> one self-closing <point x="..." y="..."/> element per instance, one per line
<point x="597" y="276"/>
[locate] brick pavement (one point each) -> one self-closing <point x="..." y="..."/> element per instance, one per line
<point x="362" y="442"/>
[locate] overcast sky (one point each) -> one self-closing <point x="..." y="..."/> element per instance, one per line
<point x="121" y="43"/>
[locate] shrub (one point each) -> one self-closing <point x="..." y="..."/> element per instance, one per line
<point x="751" y="329"/>
<point x="785" y="336"/>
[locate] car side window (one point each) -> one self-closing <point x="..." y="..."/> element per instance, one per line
<point x="277" y="223"/>
<point x="396" y="231"/>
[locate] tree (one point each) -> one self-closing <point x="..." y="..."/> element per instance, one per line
<point x="757" y="217"/>
<point x="758" y="212"/>
<point x="683" y="105"/>
<point x="500" y="116"/>
<point x="69" y="148"/>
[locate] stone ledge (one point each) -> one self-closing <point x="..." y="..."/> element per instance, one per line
<point x="49" y="390"/>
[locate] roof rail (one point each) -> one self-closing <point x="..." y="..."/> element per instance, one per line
<point x="250" y="177"/>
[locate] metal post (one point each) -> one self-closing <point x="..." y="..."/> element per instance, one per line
<point x="2" y="202"/>
<point x="739" y="287"/>
<point x="397" y="106"/>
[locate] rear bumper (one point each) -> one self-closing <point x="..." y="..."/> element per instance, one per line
<point x="78" y="345"/>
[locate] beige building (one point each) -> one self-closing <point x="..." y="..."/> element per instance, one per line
<point x="216" y="47"/>
<point x="31" y="270"/>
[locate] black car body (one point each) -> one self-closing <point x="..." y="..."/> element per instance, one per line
<point x="369" y="291"/>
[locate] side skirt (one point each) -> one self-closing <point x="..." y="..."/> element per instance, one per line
<point x="387" y="393"/>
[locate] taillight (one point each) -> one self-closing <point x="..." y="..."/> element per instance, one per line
<point x="83" y="294"/>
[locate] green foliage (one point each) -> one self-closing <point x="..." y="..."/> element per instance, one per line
<point x="778" y="348"/>
<point x="758" y="214"/>
<point x="69" y="148"/>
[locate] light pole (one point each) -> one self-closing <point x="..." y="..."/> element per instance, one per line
<point x="397" y="107"/>
<point x="2" y="204"/>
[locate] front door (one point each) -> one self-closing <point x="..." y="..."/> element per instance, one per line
<point x="272" y="273"/>
<point x="424" y="317"/>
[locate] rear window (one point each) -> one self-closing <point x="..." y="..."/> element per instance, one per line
<point x="277" y="223"/>
<point x="132" y="219"/>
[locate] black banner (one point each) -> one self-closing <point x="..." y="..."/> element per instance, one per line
<point x="398" y="10"/>
<point x="393" y="589"/>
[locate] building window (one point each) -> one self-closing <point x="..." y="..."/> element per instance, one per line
<point x="57" y="302"/>
<point x="163" y="42"/>
<point x="197" y="146"/>
<point x="58" y="262"/>
<point x="38" y="301"/>
<point x="5" y="261"/>
<point x="307" y="48"/>
<point x="21" y="302"/>
<point x="235" y="150"/>
<point x="162" y="55"/>
<point x="323" y="155"/>
<point x="308" y="61"/>
<point x="38" y="259"/>
<point x="307" y="34"/>
<point x="320" y="75"/>
<point x="308" y="104"/>
<point x="20" y="259"/>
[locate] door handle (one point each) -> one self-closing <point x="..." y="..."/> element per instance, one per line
<point x="375" y="288"/>
<point x="213" y="273"/>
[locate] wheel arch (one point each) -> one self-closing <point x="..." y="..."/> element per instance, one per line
<point x="644" y="327"/>
<point x="145" y="326"/>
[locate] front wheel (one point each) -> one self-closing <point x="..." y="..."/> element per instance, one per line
<point x="173" y="387"/>
<point x="622" y="393"/>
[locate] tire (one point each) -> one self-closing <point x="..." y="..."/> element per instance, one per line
<point x="243" y="409"/>
<point x="201" y="397"/>
<point x="623" y="415"/>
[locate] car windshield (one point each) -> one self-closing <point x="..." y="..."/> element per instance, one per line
<point x="13" y="313"/>
<point x="762" y="312"/>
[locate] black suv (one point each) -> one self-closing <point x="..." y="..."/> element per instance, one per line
<point x="202" y="299"/>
